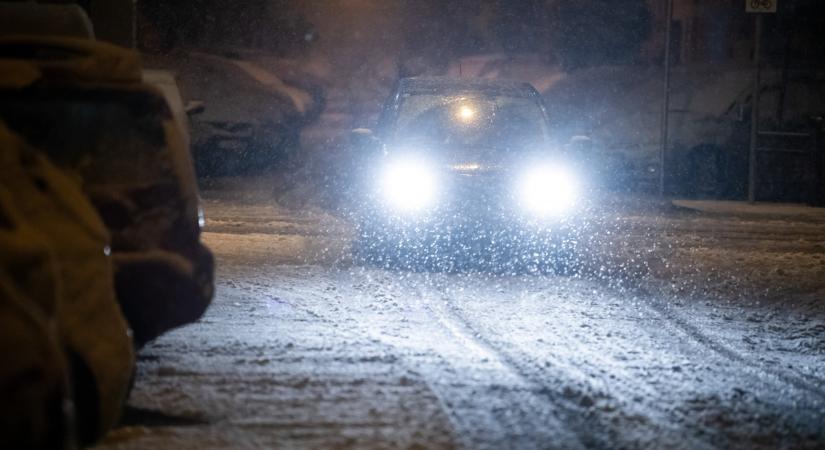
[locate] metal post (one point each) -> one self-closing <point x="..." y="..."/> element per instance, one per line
<point x="666" y="98"/>
<point x="819" y="158"/>
<point x="757" y="56"/>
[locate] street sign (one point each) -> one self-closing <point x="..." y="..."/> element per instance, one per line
<point x="761" y="6"/>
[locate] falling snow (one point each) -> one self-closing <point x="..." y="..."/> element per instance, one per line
<point x="713" y="337"/>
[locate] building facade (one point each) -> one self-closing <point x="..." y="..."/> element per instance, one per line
<point x="703" y="31"/>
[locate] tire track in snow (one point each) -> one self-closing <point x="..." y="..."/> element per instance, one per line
<point x="753" y="368"/>
<point x="574" y="391"/>
<point x="491" y="405"/>
<point x="320" y="296"/>
<point x="564" y="438"/>
<point x="480" y="420"/>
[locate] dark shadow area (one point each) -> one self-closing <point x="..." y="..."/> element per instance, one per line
<point x="134" y="416"/>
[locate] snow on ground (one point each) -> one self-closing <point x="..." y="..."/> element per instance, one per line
<point x="713" y="338"/>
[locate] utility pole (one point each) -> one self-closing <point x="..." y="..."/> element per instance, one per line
<point x="759" y="8"/>
<point x="757" y="74"/>
<point x="666" y="98"/>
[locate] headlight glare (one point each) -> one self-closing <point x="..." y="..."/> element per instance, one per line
<point x="408" y="185"/>
<point x="548" y="191"/>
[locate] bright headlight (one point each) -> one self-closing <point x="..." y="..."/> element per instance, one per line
<point x="409" y="185"/>
<point x="548" y="190"/>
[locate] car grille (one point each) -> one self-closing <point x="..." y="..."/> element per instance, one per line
<point x="478" y="194"/>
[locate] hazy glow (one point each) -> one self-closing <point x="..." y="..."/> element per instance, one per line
<point x="409" y="185"/>
<point x="466" y="113"/>
<point x="469" y="167"/>
<point x="548" y="190"/>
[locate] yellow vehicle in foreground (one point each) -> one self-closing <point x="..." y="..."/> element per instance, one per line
<point x="83" y="106"/>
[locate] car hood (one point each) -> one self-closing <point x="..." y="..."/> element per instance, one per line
<point x="477" y="160"/>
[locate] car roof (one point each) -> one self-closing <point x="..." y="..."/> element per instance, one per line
<point x="33" y="19"/>
<point x="26" y="59"/>
<point x="446" y="85"/>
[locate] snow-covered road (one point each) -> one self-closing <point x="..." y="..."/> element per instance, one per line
<point x="714" y="337"/>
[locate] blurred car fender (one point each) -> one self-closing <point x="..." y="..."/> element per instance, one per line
<point x="44" y="202"/>
<point x="121" y="139"/>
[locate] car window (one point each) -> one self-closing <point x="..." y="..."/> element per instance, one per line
<point x="505" y="123"/>
<point x="108" y="141"/>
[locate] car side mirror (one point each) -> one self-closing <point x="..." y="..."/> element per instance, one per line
<point x="194" y="107"/>
<point x="362" y="133"/>
<point x="579" y="145"/>
<point x="365" y="137"/>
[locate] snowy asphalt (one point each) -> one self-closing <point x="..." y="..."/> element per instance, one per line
<point x="713" y="338"/>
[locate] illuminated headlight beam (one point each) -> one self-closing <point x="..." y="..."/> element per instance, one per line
<point x="548" y="190"/>
<point x="409" y="185"/>
<point x="466" y="113"/>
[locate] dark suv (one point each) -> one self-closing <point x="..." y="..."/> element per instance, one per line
<point x="462" y="170"/>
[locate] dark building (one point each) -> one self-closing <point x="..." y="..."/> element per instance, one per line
<point x="704" y="31"/>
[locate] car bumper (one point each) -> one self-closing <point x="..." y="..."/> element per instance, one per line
<point x="460" y="237"/>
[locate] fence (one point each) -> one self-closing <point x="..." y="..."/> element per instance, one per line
<point x="789" y="167"/>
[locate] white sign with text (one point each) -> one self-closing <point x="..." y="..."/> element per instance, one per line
<point x="761" y="6"/>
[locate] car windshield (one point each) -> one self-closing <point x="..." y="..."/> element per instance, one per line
<point x="498" y="122"/>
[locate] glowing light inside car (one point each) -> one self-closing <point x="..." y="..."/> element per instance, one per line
<point x="409" y="185"/>
<point x="548" y="190"/>
<point x="466" y="113"/>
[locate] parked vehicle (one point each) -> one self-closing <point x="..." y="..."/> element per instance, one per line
<point x="251" y="118"/>
<point x="92" y="114"/>
<point x="68" y="357"/>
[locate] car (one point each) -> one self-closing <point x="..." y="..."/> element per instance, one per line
<point x="251" y="119"/>
<point x="31" y="18"/>
<point x="85" y="104"/>
<point x="67" y="354"/>
<point x="460" y="171"/>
